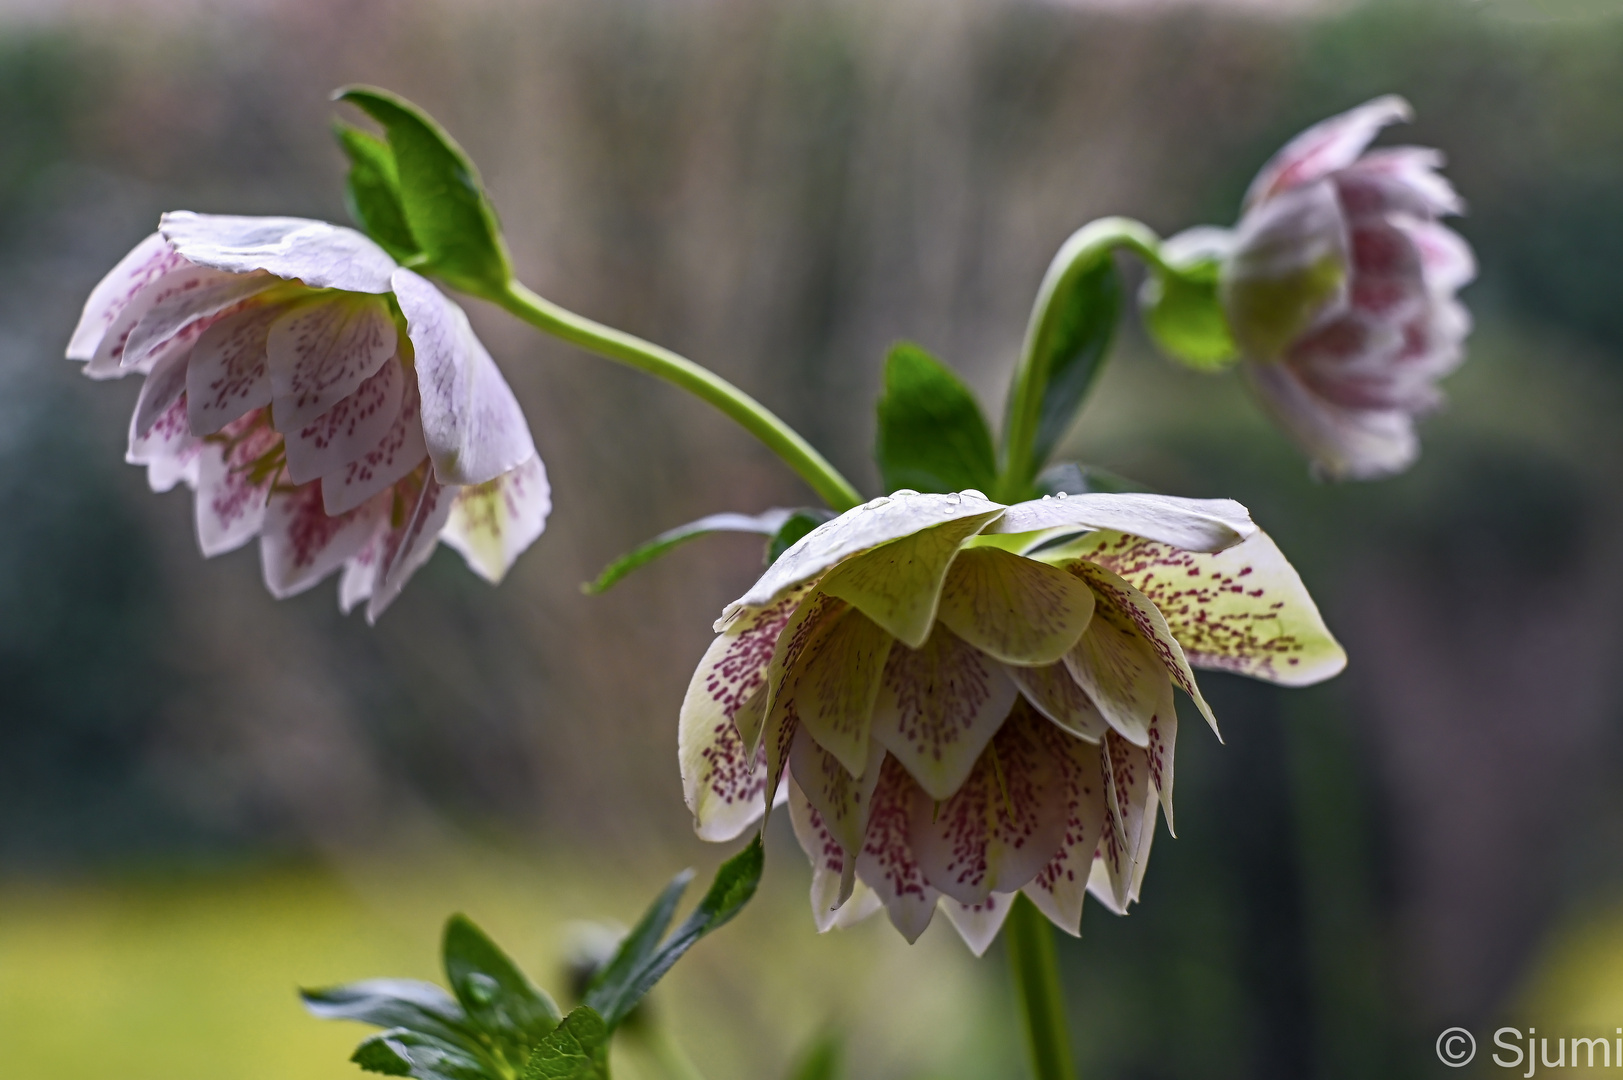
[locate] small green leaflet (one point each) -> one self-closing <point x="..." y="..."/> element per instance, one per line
<point x="372" y="190"/>
<point x="444" y="202"/>
<point x="932" y="436"/>
<point x="798" y="525"/>
<point x="765" y="524"/>
<point x="500" y="1001"/>
<point x="403" y="1052"/>
<point x="641" y="962"/>
<point x="1183" y="313"/>
<point x="578" y="1049"/>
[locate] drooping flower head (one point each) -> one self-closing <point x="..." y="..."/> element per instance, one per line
<point x="972" y="700"/>
<point x="1339" y="289"/>
<point x="319" y="396"/>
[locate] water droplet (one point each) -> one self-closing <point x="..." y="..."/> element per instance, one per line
<point x="953" y="498"/>
<point x="900" y="492"/>
<point x="874" y="504"/>
<point x="1047" y="497"/>
<point x="1062" y="494"/>
<point x="973" y="494"/>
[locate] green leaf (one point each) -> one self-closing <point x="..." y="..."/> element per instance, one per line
<point x="444" y="202"/>
<point x="932" y="436"/>
<point x="798" y="524"/>
<point x="1067" y="342"/>
<point x="734" y="884"/>
<point x="620" y="973"/>
<point x="390" y="1003"/>
<point x="577" y="1049"/>
<point x="1185" y="318"/>
<point x="823" y="1060"/>
<point x="372" y="190"/>
<point x="402" y="1052"/>
<point x="1074" y="479"/>
<point x="498" y="998"/>
<point x="767" y="524"/>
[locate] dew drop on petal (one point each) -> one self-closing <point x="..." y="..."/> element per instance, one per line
<point x="900" y="492"/>
<point x="975" y="494"/>
<point x="953" y="499"/>
<point x="1062" y="495"/>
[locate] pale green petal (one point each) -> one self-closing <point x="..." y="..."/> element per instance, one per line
<point x="1127" y="795"/>
<point x="938" y="707"/>
<point x="833" y="683"/>
<point x="1014" y="609"/>
<point x="1163" y="744"/>
<point x="1058" y="889"/>
<point x="1058" y="696"/>
<point x="840" y="800"/>
<point x="836" y="899"/>
<point x="867" y="526"/>
<point x="1121" y="673"/>
<point x="1243" y="610"/>
<point x="1191" y="524"/>
<point x="978" y="924"/>
<point x="1151" y="625"/>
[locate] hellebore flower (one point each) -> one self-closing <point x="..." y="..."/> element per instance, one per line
<point x="973" y="699"/>
<point x="1339" y="289"/>
<point x="319" y="396"/>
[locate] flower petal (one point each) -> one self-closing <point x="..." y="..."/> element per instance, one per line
<point x="320" y="352"/>
<point x="349" y="429"/>
<point x="408" y="547"/>
<point x="322" y="256"/>
<point x="360" y="574"/>
<point x="168" y="449"/>
<point x="1059" y="887"/>
<point x="1127" y="791"/>
<point x="1388" y="281"/>
<point x="492" y="523"/>
<point x="162" y="387"/>
<point x="228" y="376"/>
<point x="880" y="521"/>
<point x="938" y="707"/>
<point x="1121" y="673"/>
<point x="978" y="924"/>
<point x="1243" y="610"/>
<point x="399" y="452"/>
<point x="1005" y="822"/>
<point x="148" y="260"/>
<point x="1163" y="745"/>
<point x="832" y="686"/>
<point x="1344" y="443"/>
<point x="1399" y="178"/>
<point x="177" y="278"/>
<point x="1446" y="258"/>
<point x="1195" y="524"/>
<point x="1054" y="693"/>
<point x="299" y="544"/>
<point x="1289" y="271"/>
<point x="1325" y="147"/>
<point x="1014" y="609"/>
<point x="842" y="801"/>
<point x="234" y="480"/>
<point x="832" y="887"/>
<point x="887" y="865"/>
<point x="472" y="422"/>
<point x="174" y="309"/>
<point x="1126" y="602"/>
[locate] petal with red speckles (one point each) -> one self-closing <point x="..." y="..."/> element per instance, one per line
<point x="1446" y="259"/>
<point x="1344" y="443"/>
<point x="887" y="865"/>
<point x="396" y="455"/>
<point x="178" y="277"/>
<point x="145" y="262"/>
<point x="938" y="707"/>
<point x="1401" y="179"/>
<point x="173" y="310"/>
<point x="235" y="476"/>
<point x="407" y="547"/>
<point x="299" y="544"/>
<point x="1388" y="281"/>
<point x="160" y="390"/>
<point x="832" y="681"/>
<point x="349" y="429"/>
<point x="168" y="449"/>
<point x="1059" y="887"/>
<point x="1014" y="609"/>
<point x="1005" y="821"/>
<point x="978" y="924"/>
<point x="1243" y="610"/>
<point x="1054" y="693"/>
<point x="1121" y="673"/>
<point x="319" y="352"/>
<point x="1326" y="147"/>
<point x="842" y="800"/>
<point x="228" y="376"/>
<point x="1127" y="796"/>
<point x="492" y="523"/>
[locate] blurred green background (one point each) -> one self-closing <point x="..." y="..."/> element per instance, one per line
<point x="208" y="798"/>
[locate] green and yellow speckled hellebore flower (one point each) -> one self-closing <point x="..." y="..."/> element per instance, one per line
<point x="973" y="699"/>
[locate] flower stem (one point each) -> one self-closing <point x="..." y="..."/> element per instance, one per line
<point x="704" y="384"/>
<point x="1082" y="252"/>
<point x="1030" y="942"/>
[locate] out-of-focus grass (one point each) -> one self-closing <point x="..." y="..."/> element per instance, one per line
<point x="1576" y="989"/>
<point x="194" y="976"/>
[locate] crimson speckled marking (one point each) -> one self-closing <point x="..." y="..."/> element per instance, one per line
<point x="886" y="864"/>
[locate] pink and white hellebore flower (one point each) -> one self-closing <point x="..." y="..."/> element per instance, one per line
<point x="965" y="713"/>
<point x="1339" y="289"/>
<point x="319" y="396"/>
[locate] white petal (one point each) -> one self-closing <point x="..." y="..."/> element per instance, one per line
<point x="868" y="526"/>
<point x="1401" y="178"/>
<point x="322" y="256"/>
<point x="1161" y="750"/>
<point x="399" y="452"/>
<point x="407" y="548"/>
<point x="173" y="310"/>
<point x="1447" y="259"/>
<point x="1289" y="272"/>
<point x="1005" y="822"/>
<point x="1194" y="524"/>
<point x="146" y="261"/>
<point x="1054" y="693"/>
<point x="1325" y="147"/>
<point x="1059" y="887"/>
<point x="830" y="684"/>
<point x="360" y="574"/>
<point x="349" y="429"/>
<point x="1014" y="609"/>
<point x="841" y="800"/>
<point x="1243" y="610"/>
<point x="1122" y="674"/>
<point x="299" y="544"/>
<point x="473" y="425"/>
<point x="1344" y="443"/>
<point x="180" y="278"/>
<point x="492" y="523"/>
<point x="829" y="860"/>
<point x="168" y="449"/>
<point x="234" y="480"/>
<point x="320" y="352"/>
<point x="1127" y="797"/>
<point x="229" y="376"/>
<point x="938" y="707"/>
<point x="159" y="392"/>
<point x="887" y="864"/>
<point x="978" y="924"/>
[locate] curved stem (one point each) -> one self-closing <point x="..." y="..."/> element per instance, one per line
<point x="1030" y="942"/>
<point x="1082" y="252"/>
<point x="632" y="351"/>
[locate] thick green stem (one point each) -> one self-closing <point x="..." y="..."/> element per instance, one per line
<point x="1081" y="253"/>
<point x="628" y="349"/>
<point x="1029" y="940"/>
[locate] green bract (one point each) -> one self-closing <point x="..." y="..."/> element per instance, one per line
<point x="932" y="436"/>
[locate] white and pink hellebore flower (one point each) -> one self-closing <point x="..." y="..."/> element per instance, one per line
<point x="319" y="396"/>
<point x="1339" y="289"/>
<point x="972" y="700"/>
